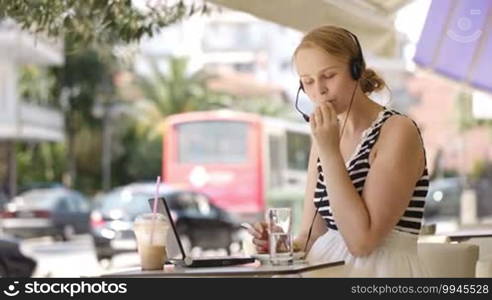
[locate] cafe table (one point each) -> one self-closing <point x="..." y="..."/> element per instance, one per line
<point x="297" y="269"/>
<point x="469" y="233"/>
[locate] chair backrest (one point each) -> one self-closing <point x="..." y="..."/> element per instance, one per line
<point x="484" y="268"/>
<point x="485" y="245"/>
<point x="449" y="260"/>
<point x="484" y="263"/>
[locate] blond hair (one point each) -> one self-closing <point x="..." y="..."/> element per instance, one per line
<point x="339" y="43"/>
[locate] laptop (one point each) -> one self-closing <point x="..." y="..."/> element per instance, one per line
<point x="175" y="250"/>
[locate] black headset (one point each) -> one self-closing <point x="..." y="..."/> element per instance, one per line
<point x="357" y="65"/>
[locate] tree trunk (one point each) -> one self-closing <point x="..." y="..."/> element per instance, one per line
<point x="69" y="179"/>
<point x="12" y="169"/>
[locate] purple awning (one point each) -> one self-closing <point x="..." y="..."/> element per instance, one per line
<point x="456" y="41"/>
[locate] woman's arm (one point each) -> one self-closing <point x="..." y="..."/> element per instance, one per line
<point x="309" y="209"/>
<point x="365" y="221"/>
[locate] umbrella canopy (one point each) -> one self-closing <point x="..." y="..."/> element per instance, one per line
<point x="371" y="20"/>
<point x="456" y="42"/>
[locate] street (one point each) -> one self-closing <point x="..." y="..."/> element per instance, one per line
<point x="75" y="258"/>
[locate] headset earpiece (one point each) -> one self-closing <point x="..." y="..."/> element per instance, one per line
<point x="356" y="68"/>
<point x="357" y="63"/>
<point x="301" y="86"/>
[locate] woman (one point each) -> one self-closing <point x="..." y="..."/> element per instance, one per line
<point x="367" y="175"/>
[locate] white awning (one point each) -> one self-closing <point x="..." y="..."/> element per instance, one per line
<point x="371" y="20"/>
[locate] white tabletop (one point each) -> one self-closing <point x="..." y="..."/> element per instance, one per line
<point x="249" y="270"/>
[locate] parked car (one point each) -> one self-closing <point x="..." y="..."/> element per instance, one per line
<point x="58" y="212"/>
<point x="3" y="201"/>
<point x="444" y="198"/>
<point x="199" y="222"/>
<point x="38" y="185"/>
<point x="13" y="263"/>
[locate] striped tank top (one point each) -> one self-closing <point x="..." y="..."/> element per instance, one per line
<point x="358" y="167"/>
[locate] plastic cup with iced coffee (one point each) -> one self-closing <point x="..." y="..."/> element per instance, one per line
<point x="151" y="231"/>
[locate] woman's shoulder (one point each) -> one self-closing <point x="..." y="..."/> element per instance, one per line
<point x="399" y="128"/>
<point x="398" y="120"/>
<point x="400" y="141"/>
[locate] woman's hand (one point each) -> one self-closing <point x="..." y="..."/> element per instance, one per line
<point x="325" y="127"/>
<point x="260" y="236"/>
<point x="298" y="244"/>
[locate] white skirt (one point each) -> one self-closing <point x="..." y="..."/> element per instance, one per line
<point x="395" y="257"/>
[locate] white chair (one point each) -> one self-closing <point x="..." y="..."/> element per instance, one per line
<point x="485" y="245"/>
<point x="484" y="263"/>
<point x="449" y="259"/>
<point x="483" y="268"/>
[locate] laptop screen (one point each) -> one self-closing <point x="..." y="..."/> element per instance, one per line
<point x="173" y="244"/>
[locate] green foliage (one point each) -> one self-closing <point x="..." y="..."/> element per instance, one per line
<point x="171" y="91"/>
<point x="464" y="113"/>
<point x="258" y="105"/>
<point x="141" y="158"/>
<point x="481" y="169"/>
<point x="42" y="162"/>
<point x="34" y="85"/>
<point x="73" y="88"/>
<point x="97" y="21"/>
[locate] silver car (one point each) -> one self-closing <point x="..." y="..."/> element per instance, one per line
<point x="58" y="212"/>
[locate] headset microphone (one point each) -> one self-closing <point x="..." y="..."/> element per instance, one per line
<point x="305" y="116"/>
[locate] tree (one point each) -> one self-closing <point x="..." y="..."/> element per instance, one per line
<point x="138" y="156"/>
<point x="84" y="80"/>
<point x="73" y="88"/>
<point x="161" y="93"/>
<point x="98" y="21"/>
<point x="172" y="91"/>
<point x="260" y="105"/>
<point x="38" y="162"/>
<point x="90" y="29"/>
<point x="35" y="83"/>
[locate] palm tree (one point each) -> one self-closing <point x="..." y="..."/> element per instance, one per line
<point x="176" y="91"/>
<point x="172" y="92"/>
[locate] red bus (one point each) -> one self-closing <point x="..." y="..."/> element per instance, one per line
<point x="241" y="160"/>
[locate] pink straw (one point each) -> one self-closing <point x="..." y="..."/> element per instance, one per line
<point x="154" y="208"/>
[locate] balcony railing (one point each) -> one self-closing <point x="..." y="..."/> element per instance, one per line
<point x="33" y="123"/>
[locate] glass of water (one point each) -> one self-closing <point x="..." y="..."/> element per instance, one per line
<point x="279" y="221"/>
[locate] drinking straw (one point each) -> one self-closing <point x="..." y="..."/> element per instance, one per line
<point x="157" y="184"/>
<point x="154" y="208"/>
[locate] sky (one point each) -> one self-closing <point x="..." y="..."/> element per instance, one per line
<point x="410" y="21"/>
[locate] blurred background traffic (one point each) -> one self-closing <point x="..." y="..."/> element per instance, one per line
<point x="91" y="116"/>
